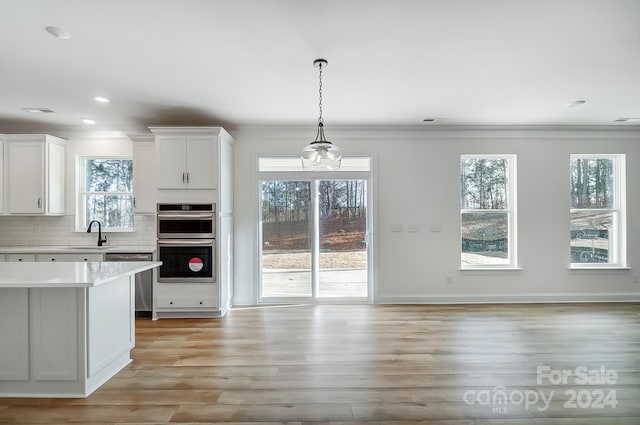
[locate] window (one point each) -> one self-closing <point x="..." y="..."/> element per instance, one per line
<point x="597" y="213"/>
<point x="487" y="211"/>
<point x="106" y="193"/>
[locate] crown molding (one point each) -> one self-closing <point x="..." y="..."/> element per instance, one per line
<point x="438" y="132"/>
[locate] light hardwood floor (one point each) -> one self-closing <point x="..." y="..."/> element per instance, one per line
<point x="368" y="364"/>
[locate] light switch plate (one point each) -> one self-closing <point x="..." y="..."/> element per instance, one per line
<point x="397" y="228"/>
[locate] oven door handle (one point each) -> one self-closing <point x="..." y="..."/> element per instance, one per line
<point x="190" y="242"/>
<point x="186" y="216"/>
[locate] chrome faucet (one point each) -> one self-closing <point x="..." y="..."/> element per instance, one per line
<point x="100" y="240"/>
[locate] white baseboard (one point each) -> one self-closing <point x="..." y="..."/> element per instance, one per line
<point x="509" y="298"/>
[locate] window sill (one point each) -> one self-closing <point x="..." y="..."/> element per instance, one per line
<point x="104" y="231"/>
<point x="490" y="269"/>
<point x="591" y="268"/>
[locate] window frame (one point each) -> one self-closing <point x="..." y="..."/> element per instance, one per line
<point x="510" y="210"/>
<point x="81" y="193"/>
<point x="287" y="167"/>
<point x="617" y="243"/>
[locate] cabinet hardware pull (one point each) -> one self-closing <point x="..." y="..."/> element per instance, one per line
<point x="134" y="202"/>
<point x="183" y="177"/>
<point x="188" y="177"/>
<point x="39" y="202"/>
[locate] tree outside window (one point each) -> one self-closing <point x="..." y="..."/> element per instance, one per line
<point x="597" y="218"/>
<point x="106" y="192"/>
<point x="487" y="211"/>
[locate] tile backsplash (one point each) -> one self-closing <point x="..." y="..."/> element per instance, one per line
<point x="28" y="231"/>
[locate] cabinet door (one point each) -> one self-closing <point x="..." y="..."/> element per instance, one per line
<point x="20" y="257"/>
<point x="202" y="162"/>
<point x="225" y="239"/>
<point x="172" y="162"/>
<point x="55" y="179"/>
<point x="1" y="176"/>
<point x="25" y="177"/>
<point x="69" y="257"/>
<point x="225" y="184"/>
<point x="54" y="336"/>
<point x="186" y="296"/>
<point x="144" y="184"/>
<point x="14" y="334"/>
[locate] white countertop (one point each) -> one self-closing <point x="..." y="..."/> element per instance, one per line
<point x="68" y="275"/>
<point x="67" y="249"/>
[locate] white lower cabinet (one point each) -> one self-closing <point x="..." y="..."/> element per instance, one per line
<point x="52" y="257"/>
<point x="1" y="257"/>
<point x="64" y="342"/>
<point x="53" y="311"/>
<point x="14" y="334"/>
<point x="186" y="299"/>
<point x="20" y="257"/>
<point x="69" y="257"/>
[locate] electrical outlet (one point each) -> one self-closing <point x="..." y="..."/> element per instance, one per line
<point x="448" y="280"/>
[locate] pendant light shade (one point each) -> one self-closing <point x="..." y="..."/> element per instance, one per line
<point x="321" y="154"/>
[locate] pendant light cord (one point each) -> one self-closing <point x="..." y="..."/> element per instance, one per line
<point x="321" y="154"/>
<point x="320" y="119"/>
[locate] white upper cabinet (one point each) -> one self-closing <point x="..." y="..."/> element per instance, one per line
<point x="202" y="162"/>
<point x="187" y="157"/>
<point x="26" y="177"/>
<point x="1" y="176"/>
<point x="144" y="174"/>
<point x="35" y="174"/>
<point x="187" y="162"/>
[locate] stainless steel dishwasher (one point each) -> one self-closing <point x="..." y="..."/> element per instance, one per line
<point x="144" y="280"/>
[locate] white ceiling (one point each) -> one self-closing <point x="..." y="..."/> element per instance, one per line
<point x="246" y="62"/>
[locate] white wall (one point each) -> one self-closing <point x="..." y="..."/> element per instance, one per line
<point x="416" y="181"/>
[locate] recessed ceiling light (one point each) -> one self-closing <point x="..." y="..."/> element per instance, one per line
<point x="101" y="99"/>
<point x="627" y="120"/>
<point x="58" y="33"/>
<point x="88" y="121"/>
<point x="38" y="110"/>
<point x="576" y="103"/>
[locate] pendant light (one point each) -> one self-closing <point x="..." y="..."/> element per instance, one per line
<point x="321" y="154"/>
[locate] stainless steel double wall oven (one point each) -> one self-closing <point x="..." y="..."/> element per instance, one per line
<point x="186" y="242"/>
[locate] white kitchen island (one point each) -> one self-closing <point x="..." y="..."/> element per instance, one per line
<point x="65" y="328"/>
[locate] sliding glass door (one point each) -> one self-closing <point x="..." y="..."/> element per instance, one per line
<point x="287" y="239"/>
<point x="342" y="234"/>
<point x="314" y="235"/>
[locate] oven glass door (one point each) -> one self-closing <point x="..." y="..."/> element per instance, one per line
<point x="186" y="261"/>
<point x="189" y="226"/>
